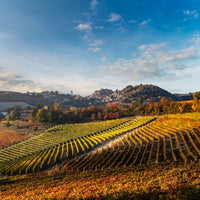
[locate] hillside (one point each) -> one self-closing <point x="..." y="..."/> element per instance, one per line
<point x="146" y="91"/>
<point x="141" y="158"/>
<point x="44" y="98"/>
<point x="130" y="93"/>
<point x="124" y="142"/>
<point x="163" y="181"/>
<point x="99" y="97"/>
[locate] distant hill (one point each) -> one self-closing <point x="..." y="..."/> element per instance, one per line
<point x="4" y="106"/>
<point x="99" y="94"/>
<point x="130" y="93"/>
<point x="147" y="91"/>
<point x="44" y="98"/>
<point x="102" y="96"/>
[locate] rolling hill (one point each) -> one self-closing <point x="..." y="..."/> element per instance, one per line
<point x="99" y="97"/>
<point x="140" y="158"/>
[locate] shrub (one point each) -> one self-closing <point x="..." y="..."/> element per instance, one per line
<point x="7" y="124"/>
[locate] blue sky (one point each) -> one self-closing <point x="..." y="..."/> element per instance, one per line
<point x="85" y="45"/>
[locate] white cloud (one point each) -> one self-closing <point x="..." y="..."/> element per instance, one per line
<point x="144" y="22"/>
<point x="177" y="66"/>
<point x="136" y="68"/>
<point x="132" y="21"/>
<point x="188" y="12"/>
<point x="93" y="4"/>
<point x="84" y="27"/>
<point x="142" y="47"/>
<point x="14" y="82"/>
<point x="104" y="58"/>
<point x="97" y="43"/>
<point x="154" y="61"/>
<point x="94" y="49"/>
<point x="195" y="39"/>
<point x="98" y="27"/>
<point x="196" y="15"/>
<point x="114" y="17"/>
<point x="191" y="14"/>
<point x="183" y="54"/>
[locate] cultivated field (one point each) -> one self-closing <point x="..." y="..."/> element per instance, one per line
<point x="141" y="158"/>
<point x="170" y="138"/>
<point x="56" y="144"/>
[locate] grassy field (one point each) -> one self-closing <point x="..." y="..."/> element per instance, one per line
<point x="19" y="131"/>
<point x="25" y="126"/>
<point x="9" y="137"/>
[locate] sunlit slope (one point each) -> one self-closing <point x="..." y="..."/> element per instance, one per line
<point x="61" y="143"/>
<point x="170" y="138"/>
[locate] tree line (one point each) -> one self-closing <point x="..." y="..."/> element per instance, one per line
<point x="56" y="114"/>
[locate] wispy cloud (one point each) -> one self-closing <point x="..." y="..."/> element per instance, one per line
<point x="97" y="43"/>
<point x="79" y="84"/>
<point x="104" y="58"/>
<point x="154" y="61"/>
<point x="93" y="4"/>
<point x="190" y="14"/>
<point x="94" y="49"/>
<point x="98" y="27"/>
<point x="113" y="17"/>
<point x="84" y="27"/>
<point x="144" y="22"/>
<point x="10" y="81"/>
<point x="180" y="55"/>
<point x="132" y="21"/>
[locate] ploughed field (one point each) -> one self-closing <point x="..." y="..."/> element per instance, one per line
<point x="115" y="143"/>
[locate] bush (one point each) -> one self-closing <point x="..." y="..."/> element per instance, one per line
<point x="7" y="124"/>
<point x="35" y="128"/>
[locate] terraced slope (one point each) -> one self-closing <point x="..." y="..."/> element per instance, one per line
<point x="170" y="138"/>
<point x="57" y="145"/>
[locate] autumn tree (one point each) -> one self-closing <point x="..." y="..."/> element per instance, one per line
<point x="43" y="115"/>
<point x="14" y="114"/>
<point x="93" y="117"/>
<point x="35" y="110"/>
<point x="196" y="101"/>
<point x="99" y="116"/>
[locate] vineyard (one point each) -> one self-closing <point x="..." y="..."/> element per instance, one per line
<point x="119" y="159"/>
<point x="170" y="138"/>
<point x="164" y="181"/>
<point x="56" y="144"/>
<point x="114" y="143"/>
